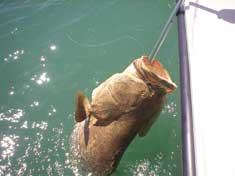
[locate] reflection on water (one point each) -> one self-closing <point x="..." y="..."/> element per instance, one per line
<point x="41" y="79"/>
<point x="14" y="55"/>
<point x="8" y="144"/>
<point x="12" y="115"/>
<point x="51" y="48"/>
<point x="144" y="167"/>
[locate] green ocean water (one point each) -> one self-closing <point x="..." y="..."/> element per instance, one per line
<point x="49" y="50"/>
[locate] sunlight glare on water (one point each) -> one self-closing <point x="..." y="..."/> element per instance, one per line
<point x="52" y="48"/>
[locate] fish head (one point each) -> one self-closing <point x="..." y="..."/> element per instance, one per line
<point x="154" y="74"/>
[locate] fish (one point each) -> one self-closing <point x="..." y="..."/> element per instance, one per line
<point x="123" y="106"/>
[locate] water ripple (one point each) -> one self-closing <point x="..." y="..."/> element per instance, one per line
<point x="107" y="42"/>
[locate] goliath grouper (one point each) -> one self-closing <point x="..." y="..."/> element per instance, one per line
<point x="124" y="105"/>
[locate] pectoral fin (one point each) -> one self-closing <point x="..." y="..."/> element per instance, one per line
<point x="151" y="118"/>
<point x="146" y="127"/>
<point x="82" y="107"/>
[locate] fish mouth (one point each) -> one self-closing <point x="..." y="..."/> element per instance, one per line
<point x="153" y="73"/>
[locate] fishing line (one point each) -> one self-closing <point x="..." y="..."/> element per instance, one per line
<point x="165" y="31"/>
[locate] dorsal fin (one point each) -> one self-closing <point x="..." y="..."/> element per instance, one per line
<point x="82" y="107"/>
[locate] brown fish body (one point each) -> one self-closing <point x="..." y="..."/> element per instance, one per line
<point x="124" y="105"/>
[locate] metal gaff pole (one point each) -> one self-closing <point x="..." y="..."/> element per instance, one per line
<point x="165" y="31"/>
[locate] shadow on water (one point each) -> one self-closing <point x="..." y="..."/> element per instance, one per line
<point x="227" y="15"/>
